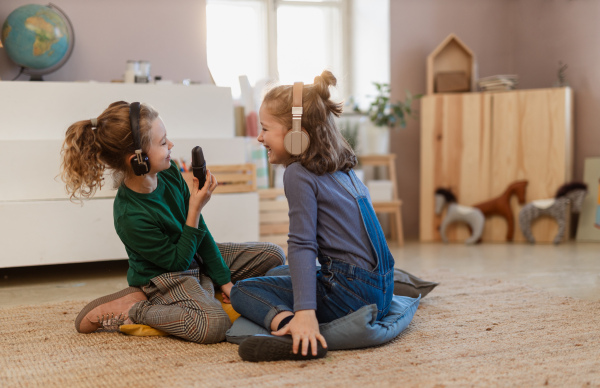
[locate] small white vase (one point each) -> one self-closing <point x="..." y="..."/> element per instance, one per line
<point x="379" y="139"/>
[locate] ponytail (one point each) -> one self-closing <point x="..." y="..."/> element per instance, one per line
<point x="90" y="148"/>
<point x="81" y="168"/>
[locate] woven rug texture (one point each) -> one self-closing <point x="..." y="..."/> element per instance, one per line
<point x="467" y="332"/>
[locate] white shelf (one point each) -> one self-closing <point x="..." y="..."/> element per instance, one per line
<point x="38" y="223"/>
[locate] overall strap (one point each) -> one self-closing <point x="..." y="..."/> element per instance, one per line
<point x="355" y="181"/>
<point x="348" y="182"/>
<point x="380" y="250"/>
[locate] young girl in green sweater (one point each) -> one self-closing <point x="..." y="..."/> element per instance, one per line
<point x="174" y="263"/>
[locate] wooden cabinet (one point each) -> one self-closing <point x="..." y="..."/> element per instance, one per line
<point x="476" y="144"/>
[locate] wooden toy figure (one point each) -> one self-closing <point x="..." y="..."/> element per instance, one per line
<point x="501" y="205"/>
<point x="458" y="213"/>
<point x="570" y="193"/>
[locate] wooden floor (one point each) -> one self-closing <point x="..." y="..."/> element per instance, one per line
<point x="570" y="269"/>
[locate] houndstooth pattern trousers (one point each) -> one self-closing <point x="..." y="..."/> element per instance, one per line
<point x="183" y="303"/>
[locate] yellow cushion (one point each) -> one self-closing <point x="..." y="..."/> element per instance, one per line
<point x="147" y="331"/>
<point x="233" y="315"/>
<point x="141" y="330"/>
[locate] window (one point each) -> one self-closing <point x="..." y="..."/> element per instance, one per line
<point x="236" y="41"/>
<point x="309" y="39"/>
<point x="370" y="44"/>
<point x="285" y="40"/>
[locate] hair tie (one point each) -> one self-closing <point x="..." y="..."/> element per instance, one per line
<point x="94" y="123"/>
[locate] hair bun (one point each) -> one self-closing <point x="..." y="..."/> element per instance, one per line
<point x="323" y="82"/>
<point x="326" y="78"/>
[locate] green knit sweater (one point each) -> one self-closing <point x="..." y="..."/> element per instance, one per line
<point x="157" y="240"/>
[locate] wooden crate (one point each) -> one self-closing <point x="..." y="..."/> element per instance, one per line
<point x="273" y="216"/>
<point x="235" y="178"/>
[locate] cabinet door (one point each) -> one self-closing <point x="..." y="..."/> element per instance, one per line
<point x="455" y="154"/>
<point x="476" y="144"/>
<point x="532" y="140"/>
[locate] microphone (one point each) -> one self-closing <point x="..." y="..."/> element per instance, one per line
<point x="199" y="165"/>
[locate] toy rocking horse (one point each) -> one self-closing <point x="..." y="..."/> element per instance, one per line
<point x="570" y="193"/>
<point x="458" y="213"/>
<point x="501" y="205"/>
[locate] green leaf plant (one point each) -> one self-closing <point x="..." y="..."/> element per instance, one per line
<point x="383" y="113"/>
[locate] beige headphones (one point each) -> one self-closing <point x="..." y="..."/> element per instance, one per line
<point x="296" y="141"/>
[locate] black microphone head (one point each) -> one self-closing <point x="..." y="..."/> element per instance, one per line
<point x="197" y="157"/>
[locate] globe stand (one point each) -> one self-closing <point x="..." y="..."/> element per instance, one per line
<point x="32" y="76"/>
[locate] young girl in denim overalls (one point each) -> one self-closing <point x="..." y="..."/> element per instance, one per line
<point x="331" y="218"/>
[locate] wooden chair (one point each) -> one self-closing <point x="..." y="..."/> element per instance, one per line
<point x="393" y="207"/>
<point x="274" y="220"/>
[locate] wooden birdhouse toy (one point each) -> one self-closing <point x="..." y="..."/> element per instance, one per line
<point x="451" y="67"/>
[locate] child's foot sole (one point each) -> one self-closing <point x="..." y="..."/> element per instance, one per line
<point x="263" y="347"/>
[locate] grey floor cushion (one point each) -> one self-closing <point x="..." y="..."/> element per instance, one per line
<point x="406" y="284"/>
<point x="357" y="330"/>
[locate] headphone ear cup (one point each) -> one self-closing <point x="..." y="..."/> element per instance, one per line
<point x="140" y="168"/>
<point x="296" y="142"/>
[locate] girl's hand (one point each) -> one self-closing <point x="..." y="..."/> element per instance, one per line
<point x="226" y="288"/>
<point x="199" y="197"/>
<point x="304" y="329"/>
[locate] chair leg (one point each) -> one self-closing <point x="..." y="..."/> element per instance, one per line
<point x="393" y="228"/>
<point x="398" y="228"/>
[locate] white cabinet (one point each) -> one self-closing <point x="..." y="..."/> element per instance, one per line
<point x="38" y="223"/>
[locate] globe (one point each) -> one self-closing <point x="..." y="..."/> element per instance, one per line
<point x="39" y="38"/>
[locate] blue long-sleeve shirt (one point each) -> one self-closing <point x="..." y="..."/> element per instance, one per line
<point x="323" y="216"/>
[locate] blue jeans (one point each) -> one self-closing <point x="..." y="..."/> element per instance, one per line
<point x="342" y="288"/>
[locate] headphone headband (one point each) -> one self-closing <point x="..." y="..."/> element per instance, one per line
<point x="140" y="163"/>
<point x="296" y="141"/>
<point x="297" y="106"/>
<point x="134" y="119"/>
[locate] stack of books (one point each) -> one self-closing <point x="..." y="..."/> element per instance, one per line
<point x="498" y="82"/>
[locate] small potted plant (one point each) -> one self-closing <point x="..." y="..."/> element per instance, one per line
<point x="385" y="115"/>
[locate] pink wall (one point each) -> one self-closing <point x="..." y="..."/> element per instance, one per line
<point x="525" y="37"/>
<point x="417" y="28"/>
<point x="169" y="34"/>
<point x="550" y="31"/>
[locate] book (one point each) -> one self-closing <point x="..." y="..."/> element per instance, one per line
<point x="498" y="82"/>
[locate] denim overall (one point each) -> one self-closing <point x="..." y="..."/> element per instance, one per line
<point x="376" y="286"/>
<point x="342" y="288"/>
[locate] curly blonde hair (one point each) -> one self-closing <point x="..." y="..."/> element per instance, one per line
<point x="328" y="150"/>
<point x="87" y="151"/>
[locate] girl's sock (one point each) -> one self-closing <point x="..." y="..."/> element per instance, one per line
<point x="285" y="321"/>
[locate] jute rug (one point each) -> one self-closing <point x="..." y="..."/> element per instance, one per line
<point x="467" y="332"/>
